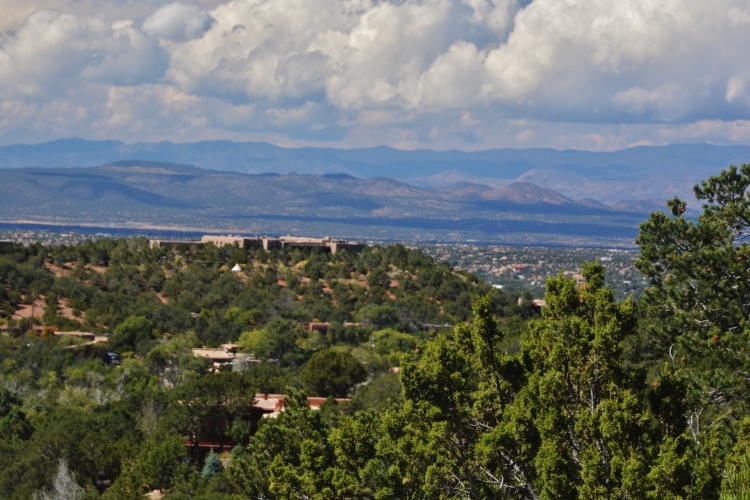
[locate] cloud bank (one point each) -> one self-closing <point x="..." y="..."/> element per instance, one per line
<point x="590" y="74"/>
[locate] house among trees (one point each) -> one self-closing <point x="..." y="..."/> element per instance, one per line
<point x="219" y="357"/>
<point x="214" y="432"/>
<point x="273" y="404"/>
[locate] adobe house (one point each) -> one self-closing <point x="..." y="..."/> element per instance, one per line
<point x="212" y="436"/>
<point x="273" y="404"/>
<point x="217" y="356"/>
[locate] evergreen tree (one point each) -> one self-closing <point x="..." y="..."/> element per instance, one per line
<point x="578" y="396"/>
<point x="700" y="297"/>
<point x="562" y="419"/>
<point x="14" y="425"/>
<point x="332" y="373"/>
<point x="212" y="465"/>
<point x="274" y="465"/>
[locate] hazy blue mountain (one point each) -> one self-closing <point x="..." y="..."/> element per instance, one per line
<point x="152" y="194"/>
<point x="251" y="157"/>
<point x="633" y="178"/>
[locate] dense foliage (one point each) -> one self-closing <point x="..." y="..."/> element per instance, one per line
<point x="117" y="427"/>
<point x="594" y="398"/>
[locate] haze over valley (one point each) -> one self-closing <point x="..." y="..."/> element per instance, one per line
<point x="537" y="196"/>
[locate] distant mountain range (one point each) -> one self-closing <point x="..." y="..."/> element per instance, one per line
<point x="163" y="195"/>
<point x="503" y="195"/>
<point x="652" y="171"/>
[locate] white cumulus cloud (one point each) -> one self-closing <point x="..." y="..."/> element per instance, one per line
<point x="443" y="73"/>
<point x="177" y="22"/>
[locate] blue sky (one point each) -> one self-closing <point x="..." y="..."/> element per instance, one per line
<point x="438" y="74"/>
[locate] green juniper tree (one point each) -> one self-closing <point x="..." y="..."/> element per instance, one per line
<point x="14" y="425"/>
<point x="561" y="419"/>
<point x="578" y="397"/>
<point x="700" y="295"/>
<point x="273" y="466"/>
<point x="332" y="373"/>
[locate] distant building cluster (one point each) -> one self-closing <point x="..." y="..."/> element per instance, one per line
<point x="47" y="238"/>
<point x="526" y="269"/>
<point x="266" y="242"/>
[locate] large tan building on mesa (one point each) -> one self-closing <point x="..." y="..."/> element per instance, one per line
<point x="267" y="243"/>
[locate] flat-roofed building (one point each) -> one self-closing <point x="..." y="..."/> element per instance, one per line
<point x="332" y="245"/>
<point x="172" y="244"/>
<point x="266" y="242"/>
<point x="213" y="435"/>
<point x="225" y="355"/>
<point x="270" y="243"/>
<point x="217" y="357"/>
<point x="273" y="404"/>
<point x="221" y="241"/>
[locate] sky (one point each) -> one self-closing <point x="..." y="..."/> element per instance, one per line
<point x="437" y="74"/>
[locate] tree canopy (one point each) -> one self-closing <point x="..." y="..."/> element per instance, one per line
<point x="591" y="398"/>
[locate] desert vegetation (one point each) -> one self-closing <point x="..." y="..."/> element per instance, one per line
<point x="453" y="388"/>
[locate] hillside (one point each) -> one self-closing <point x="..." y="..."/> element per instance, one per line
<point x="187" y="371"/>
<point x="93" y="334"/>
<point x="652" y="173"/>
<point x="164" y="195"/>
<point x="526" y="193"/>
